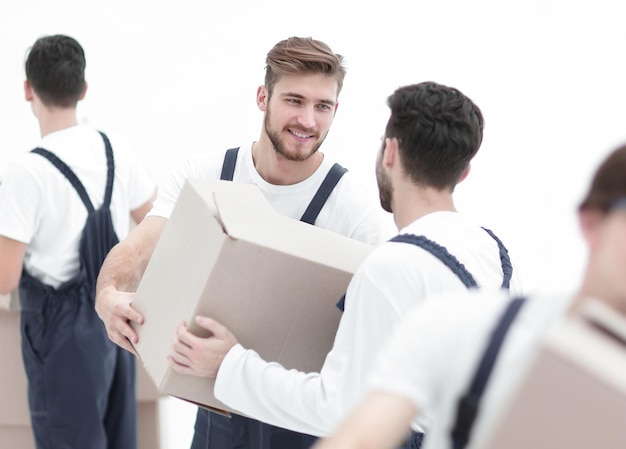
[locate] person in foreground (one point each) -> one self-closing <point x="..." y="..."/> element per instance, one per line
<point x="81" y="387"/>
<point x="432" y="134"/>
<point x="410" y="380"/>
<point x="299" y="99"/>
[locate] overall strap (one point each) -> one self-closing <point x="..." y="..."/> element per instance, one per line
<point x="319" y="199"/>
<point x="110" y="171"/>
<point x="469" y="404"/>
<point x="330" y="181"/>
<point x="436" y="250"/>
<point x="507" y="268"/>
<point x="73" y="179"/>
<point x="440" y="253"/>
<point x="228" y="167"/>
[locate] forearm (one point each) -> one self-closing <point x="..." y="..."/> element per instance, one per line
<point x="126" y="263"/>
<point x="381" y="421"/>
<point x="119" y="277"/>
<point x="270" y="393"/>
<point x="11" y="261"/>
<point x="121" y="270"/>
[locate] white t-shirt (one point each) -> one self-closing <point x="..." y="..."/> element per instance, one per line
<point x="432" y="357"/>
<point x="390" y="282"/>
<point x="351" y="210"/>
<point x="39" y="206"/>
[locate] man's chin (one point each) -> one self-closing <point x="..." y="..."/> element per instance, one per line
<point x="386" y="205"/>
<point x="296" y="156"/>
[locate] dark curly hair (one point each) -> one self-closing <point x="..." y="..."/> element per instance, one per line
<point x="439" y="131"/>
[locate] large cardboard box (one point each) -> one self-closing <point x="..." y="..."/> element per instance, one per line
<point x="15" y="431"/>
<point x="272" y="280"/>
<point x="16" y="437"/>
<point x="574" y="395"/>
<point x="13" y="386"/>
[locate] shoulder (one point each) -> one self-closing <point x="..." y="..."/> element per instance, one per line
<point x="355" y="196"/>
<point x="206" y="164"/>
<point x="460" y="314"/>
<point x="353" y="187"/>
<point x="26" y="167"/>
<point x="413" y="250"/>
<point x="392" y="254"/>
<point x="402" y="269"/>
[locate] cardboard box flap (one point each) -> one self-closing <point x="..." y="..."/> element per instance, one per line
<point x="605" y="318"/>
<point x="594" y="343"/>
<point x="235" y="204"/>
<point x="246" y="214"/>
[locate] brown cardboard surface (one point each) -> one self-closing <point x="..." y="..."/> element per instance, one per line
<point x="146" y="389"/>
<point x="148" y="426"/>
<point x="13" y="386"/>
<point x="575" y="394"/>
<point x="273" y="281"/>
<point x="16" y="437"/>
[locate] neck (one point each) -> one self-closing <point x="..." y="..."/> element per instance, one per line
<point x="55" y="119"/>
<point x="277" y="170"/>
<point x="597" y="290"/>
<point x="411" y="203"/>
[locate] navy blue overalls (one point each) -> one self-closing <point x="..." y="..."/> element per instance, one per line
<point x="81" y="386"/>
<point x="414" y="439"/>
<point x="214" y="431"/>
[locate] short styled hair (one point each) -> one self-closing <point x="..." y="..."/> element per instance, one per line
<point x="302" y="55"/>
<point x="439" y="131"/>
<point x="55" y="68"/>
<point x="609" y="182"/>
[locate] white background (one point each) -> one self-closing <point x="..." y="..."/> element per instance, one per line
<point x="179" y="77"/>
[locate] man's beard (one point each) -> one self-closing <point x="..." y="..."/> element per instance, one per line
<point x="281" y="148"/>
<point x="384" y="185"/>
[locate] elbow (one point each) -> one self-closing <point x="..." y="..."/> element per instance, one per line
<point x="140" y="213"/>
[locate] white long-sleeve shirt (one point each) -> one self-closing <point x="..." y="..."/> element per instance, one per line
<point x="392" y="280"/>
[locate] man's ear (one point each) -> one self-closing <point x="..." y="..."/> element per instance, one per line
<point x="465" y="173"/>
<point x="390" y="155"/>
<point x="589" y="221"/>
<point x="262" y="98"/>
<point x="28" y="91"/>
<point x="82" y="95"/>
